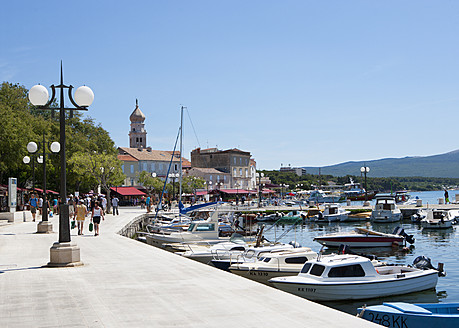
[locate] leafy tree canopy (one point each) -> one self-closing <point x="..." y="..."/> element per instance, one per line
<point x="21" y="123"/>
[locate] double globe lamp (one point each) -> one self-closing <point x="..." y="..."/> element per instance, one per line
<point x="63" y="253"/>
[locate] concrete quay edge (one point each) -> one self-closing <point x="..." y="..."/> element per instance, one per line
<point x="125" y="283"/>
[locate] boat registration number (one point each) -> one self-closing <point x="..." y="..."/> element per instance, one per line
<point x="306" y="289"/>
<point x="386" y="320"/>
<point x="258" y="273"/>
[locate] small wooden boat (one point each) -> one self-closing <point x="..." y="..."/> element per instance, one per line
<point x="397" y="315"/>
<point x="362" y="237"/>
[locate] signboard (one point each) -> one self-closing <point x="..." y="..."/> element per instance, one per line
<point x="12" y="193"/>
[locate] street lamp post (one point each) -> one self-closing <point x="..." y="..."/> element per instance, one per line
<point x="26" y="160"/>
<point x="63" y="253"/>
<point x="260" y="187"/>
<point x="173" y="176"/>
<point x="44" y="226"/>
<point x="218" y="185"/>
<point x="365" y="170"/>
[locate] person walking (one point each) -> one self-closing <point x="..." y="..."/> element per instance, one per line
<point x="446" y="197"/>
<point x="97" y="214"/>
<point x="104" y="203"/>
<point x="115" y="202"/>
<point x="33" y="206"/>
<point x="80" y="213"/>
<point x="40" y="205"/>
<point x="147" y="203"/>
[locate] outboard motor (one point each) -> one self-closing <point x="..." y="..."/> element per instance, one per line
<point x="401" y="232"/>
<point x="424" y="263"/>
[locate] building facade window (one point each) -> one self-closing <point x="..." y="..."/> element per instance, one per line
<point x="152" y="167"/>
<point x="246" y="173"/>
<point x="240" y="172"/>
<point x="145" y="168"/>
<point x="234" y="172"/>
<point x="122" y="168"/>
<point x="132" y="168"/>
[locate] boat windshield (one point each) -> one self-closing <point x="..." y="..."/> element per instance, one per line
<point x="317" y="270"/>
<point x="306" y="267"/>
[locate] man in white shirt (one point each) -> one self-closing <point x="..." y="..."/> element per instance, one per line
<point x="115" y="202"/>
<point x="104" y="204"/>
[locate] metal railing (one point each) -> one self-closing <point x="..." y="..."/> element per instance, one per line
<point x="136" y="225"/>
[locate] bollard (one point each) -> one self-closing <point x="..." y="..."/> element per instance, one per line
<point x="418" y="202"/>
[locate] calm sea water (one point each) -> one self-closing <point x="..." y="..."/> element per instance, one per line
<point x="438" y="245"/>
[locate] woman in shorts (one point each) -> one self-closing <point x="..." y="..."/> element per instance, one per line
<point x="97" y="213"/>
<point x="80" y="214"/>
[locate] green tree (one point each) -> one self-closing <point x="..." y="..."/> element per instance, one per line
<point x="153" y="184"/>
<point x="99" y="168"/>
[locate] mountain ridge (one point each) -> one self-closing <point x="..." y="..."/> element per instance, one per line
<point x="439" y="166"/>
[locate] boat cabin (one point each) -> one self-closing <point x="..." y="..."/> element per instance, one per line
<point x="386" y="203"/>
<point x="339" y="266"/>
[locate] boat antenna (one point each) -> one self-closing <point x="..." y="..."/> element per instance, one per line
<point x="181" y="153"/>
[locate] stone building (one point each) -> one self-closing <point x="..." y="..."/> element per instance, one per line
<point x="234" y="162"/>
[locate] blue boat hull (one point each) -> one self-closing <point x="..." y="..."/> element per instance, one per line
<point x="406" y="315"/>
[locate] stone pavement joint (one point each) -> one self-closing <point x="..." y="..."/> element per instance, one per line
<point x="125" y="283"/>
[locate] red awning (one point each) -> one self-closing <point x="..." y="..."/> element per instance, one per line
<point x="268" y="191"/>
<point x="128" y="191"/>
<point x="47" y="191"/>
<point x="234" y="191"/>
<point x="201" y="193"/>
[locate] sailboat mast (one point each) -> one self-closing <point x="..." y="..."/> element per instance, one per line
<point x="181" y="153"/>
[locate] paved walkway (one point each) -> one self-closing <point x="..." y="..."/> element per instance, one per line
<point x="125" y="283"/>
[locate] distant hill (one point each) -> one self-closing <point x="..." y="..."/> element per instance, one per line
<point x="438" y="166"/>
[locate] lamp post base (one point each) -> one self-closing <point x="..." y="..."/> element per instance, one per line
<point x="64" y="255"/>
<point x="44" y="227"/>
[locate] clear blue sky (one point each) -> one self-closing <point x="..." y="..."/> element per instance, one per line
<point x="306" y="83"/>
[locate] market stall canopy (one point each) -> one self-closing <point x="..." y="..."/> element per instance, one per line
<point x="128" y="191"/>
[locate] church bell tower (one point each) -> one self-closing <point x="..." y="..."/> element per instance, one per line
<point x="137" y="135"/>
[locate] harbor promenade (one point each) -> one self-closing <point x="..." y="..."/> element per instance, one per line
<point x="125" y="283"/>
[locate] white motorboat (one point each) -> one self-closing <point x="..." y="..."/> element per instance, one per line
<point x="319" y="196"/>
<point x="345" y="277"/>
<point x="439" y="219"/>
<point x="385" y="210"/>
<point x="274" y="264"/>
<point x="198" y="231"/>
<point x="223" y="261"/>
<point x="205" y="252"/>
<point x="332" y="213"/>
